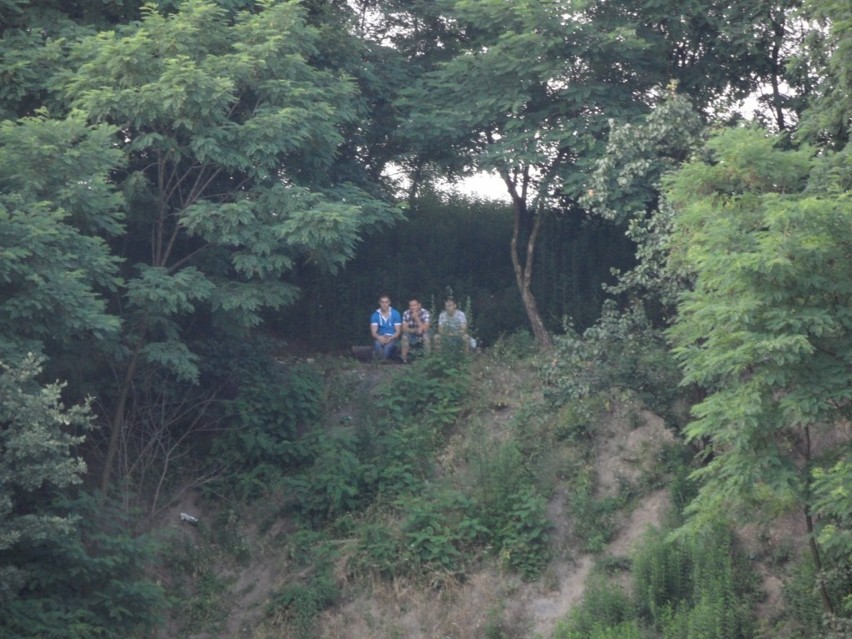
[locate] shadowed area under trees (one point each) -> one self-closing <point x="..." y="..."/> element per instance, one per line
<point x="460" y="243"/>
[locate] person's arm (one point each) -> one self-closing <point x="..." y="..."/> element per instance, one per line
<point x="463" y="331"/>
<point x="422" y="326"/>
<point x="374" y="326"/>
<point x="397" y="326"/>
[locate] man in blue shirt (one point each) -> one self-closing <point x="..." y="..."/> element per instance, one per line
<point x="385" y="327"/>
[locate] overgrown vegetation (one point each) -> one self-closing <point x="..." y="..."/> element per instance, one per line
<point x="624" y="350"/>
<point x="373" y="476"/>
<point x="181" y="177"/>
<point x="699" y="587"/>
<point x="68" y="564"/>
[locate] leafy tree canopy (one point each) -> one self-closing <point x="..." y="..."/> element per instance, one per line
<point x="189" y="162"/>
<point x="58" y="208"/>
<point x="229" y="131"/>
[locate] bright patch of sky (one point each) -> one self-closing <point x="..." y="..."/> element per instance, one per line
<point x="487" y="186"/>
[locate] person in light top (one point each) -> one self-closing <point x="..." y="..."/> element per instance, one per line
<point x="452" y="327"/>
<point x="385" y="327"/>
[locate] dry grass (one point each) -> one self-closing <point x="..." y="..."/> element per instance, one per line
<point x="489" y="602"/>
<point x="445" y="608"/>
<point x="485" y="601"/>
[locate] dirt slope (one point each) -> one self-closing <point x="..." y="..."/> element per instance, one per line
<point x="488" y="601"/>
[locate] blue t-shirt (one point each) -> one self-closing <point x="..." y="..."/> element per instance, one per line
<point x="386" y="326"/>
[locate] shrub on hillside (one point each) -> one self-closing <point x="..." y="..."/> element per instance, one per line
<point x="622" y="350"/>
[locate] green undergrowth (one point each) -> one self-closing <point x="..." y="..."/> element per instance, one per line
<point x="433" y="471"/>
<point x="354" y="459"/>
<point x="698" y="587"/>
<point x="96" y="576"/>
<point x="425" y="472"/>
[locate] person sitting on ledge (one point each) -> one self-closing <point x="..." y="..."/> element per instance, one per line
<point x="385" y="327"/>
<point x="415" y="328"/>
<point x="452" y="327"/>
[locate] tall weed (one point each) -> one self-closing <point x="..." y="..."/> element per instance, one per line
<point x="604" y="610"/>
<point x="593" y="516"/>
<point x="437" y="528"/>
<point x="802" y="606"/>
<point x="511" y="507"/>
<point x="298" y="605"/>
<point x="334" y="483"/>
<point x="432" y="391"/>
<point x="694" y="588"/>
<point x="523" y="537"/>
<point x="683" y="588"/>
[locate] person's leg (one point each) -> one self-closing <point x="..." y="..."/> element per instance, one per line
<point x="389" y="350"/>
<point x="383" y="351"/>
<point x="417" y="346"/>
<point x="405" y="346"/>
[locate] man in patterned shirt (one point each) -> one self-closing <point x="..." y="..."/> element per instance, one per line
<point x="415" y="328"/>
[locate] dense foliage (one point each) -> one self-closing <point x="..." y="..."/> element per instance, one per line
<point x="69" y="566"/>
<point x="698" y="588"/>
<point x="187" y="186"/>
<point x="768" y="328"/>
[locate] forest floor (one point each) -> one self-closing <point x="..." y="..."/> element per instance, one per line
<point x="488" y="600"/>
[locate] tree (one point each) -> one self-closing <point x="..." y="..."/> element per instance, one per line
<point x="832" y="504"/>
<point x="36" y="448"/>
<point x="825" y="60"/>
<point x="767" y="330"/>
<point x="625" y="187"/>
<point x="34" y="40"/>
<point x="531" y="87"/>
<point x="68" y="567"/>
<point x="517" y="98"/>
<point x="58" y="208"/>
<point x="230" y="130"/>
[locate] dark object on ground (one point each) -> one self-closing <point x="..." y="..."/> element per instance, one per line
<point x="363" y="353"/>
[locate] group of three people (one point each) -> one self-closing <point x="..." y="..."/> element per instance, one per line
<point x="413" y="328"/>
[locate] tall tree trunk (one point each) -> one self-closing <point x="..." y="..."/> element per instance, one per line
<point x="524" y="270"/>
<point x="117" y="421"/>
<point x="827" y="606"/>
<point x="778" y="31"/>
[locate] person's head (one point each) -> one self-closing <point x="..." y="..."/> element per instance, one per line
<point x="450" y="305"/>
<point x="384" y="301"/>
<point x="414" y="305"/>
